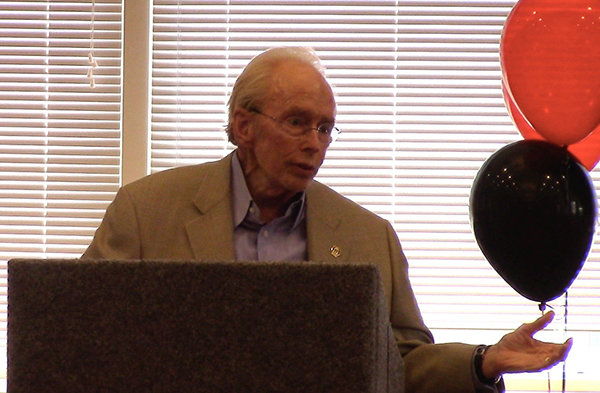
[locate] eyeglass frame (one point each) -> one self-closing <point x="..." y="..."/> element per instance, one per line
<point x="298" y="131"/>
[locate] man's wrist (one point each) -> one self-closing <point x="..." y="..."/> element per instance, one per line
<point x="478" y="363"/>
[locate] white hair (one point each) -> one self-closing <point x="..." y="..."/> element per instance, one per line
<point x="252" y="84"/>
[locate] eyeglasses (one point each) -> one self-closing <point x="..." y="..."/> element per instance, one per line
<point x="299" y="127"/>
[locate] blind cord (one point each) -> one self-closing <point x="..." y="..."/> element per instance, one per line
<point x="91" y="60"/>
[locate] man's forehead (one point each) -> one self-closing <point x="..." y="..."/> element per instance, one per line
<point x="299" y="79"/>
<point x="292" y="73"/>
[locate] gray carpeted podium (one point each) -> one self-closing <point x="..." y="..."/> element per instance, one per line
<point x="155" y="326"/>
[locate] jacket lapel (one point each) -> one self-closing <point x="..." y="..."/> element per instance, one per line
<point x="326" y="242"/>
<point x="211" y="233"/>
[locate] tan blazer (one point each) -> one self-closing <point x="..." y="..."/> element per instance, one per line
<point x="186" y="214"/>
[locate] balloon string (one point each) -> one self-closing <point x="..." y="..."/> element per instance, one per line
<point x="565" y="331"/>
<point x="542" y="307"/>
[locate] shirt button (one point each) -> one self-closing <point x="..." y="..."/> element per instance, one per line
<point x="252" y="210"/>
<point x="266" y="233"/>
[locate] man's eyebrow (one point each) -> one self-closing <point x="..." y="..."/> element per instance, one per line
<point x="296" y="110"/>
<point x="308" y="113"/>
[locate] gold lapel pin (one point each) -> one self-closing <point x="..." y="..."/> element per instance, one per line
<point x="335" y="251"/>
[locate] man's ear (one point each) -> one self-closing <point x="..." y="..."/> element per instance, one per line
<point x="242" y="127"/>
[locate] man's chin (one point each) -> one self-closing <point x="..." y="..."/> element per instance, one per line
<point x="300" y="184"/>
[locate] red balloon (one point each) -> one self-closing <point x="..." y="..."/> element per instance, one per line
<point x="587" y="151"/>
<point x="550" y="59"/>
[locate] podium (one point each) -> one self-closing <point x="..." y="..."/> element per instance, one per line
<point x="163" y="326"/>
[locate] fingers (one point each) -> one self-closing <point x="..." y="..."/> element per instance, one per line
<point x="519" y="351"/>
<point x="538" y="324"/>
<point x="566" y="348"/>
<point x="559" y="354"/>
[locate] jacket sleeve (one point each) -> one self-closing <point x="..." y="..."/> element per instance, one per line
<point x="430" y="367"/>
<point x="117" y="237"/>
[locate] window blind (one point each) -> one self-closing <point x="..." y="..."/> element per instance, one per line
<point x="59" y="138"/>
<point x="420" y="105"/>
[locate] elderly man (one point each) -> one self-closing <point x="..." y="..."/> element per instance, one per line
<point x="261" y="203"/>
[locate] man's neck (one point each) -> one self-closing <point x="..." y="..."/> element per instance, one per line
<point x="272" y="203"/>
<point x="271" y="209"/>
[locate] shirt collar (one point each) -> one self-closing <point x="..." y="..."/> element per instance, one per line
<point x="242" y="200"/>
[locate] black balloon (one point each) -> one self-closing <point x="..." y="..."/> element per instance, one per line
<point x="533" y="212"/>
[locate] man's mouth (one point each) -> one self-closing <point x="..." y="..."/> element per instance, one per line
<point x="306" y="168"/>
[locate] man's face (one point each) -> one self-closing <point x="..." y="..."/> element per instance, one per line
<point x="278" y="163"/>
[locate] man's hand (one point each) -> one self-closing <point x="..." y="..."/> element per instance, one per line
<point x="519" y="352"/>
